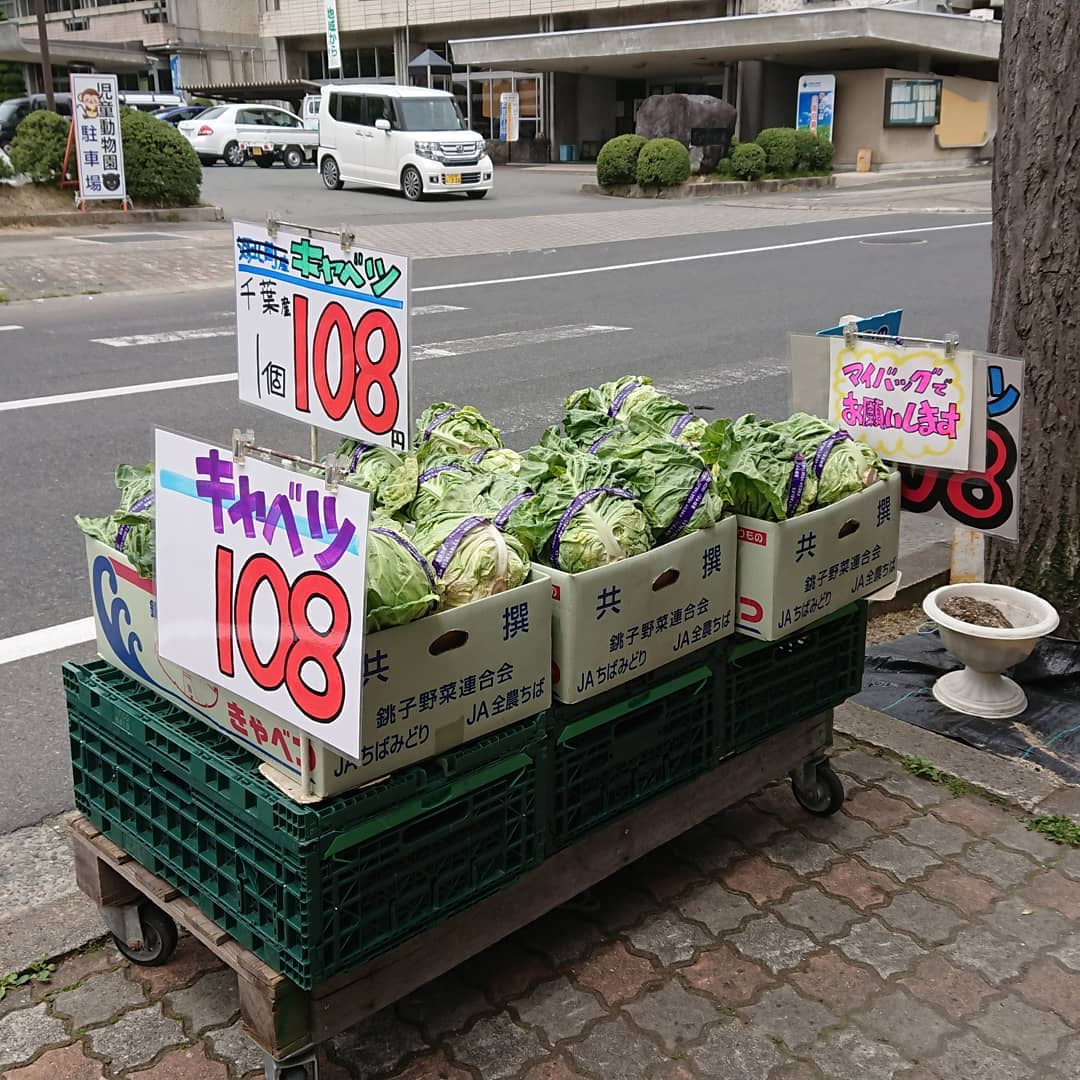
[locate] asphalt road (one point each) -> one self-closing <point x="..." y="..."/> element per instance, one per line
<point x="712" y="329"/>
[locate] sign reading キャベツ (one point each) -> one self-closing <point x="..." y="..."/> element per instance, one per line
<point x="323" y="333"/>
<point x="99" y="149"/>
<point x="260" y="581"/>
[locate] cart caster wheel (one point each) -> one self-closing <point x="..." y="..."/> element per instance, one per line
<point x="824" y="794"/>
<point x="159" y="938"/>
<point x="296" y="1072"/>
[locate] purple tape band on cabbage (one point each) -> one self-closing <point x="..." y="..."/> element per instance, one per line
<point x="689" y="507"/>
<point x="575" y="505"/>
<point x="136" y="507"/>
<point x="451" y="543"/>
<point x="361" y="449"/>
<point x="596" y="445"/>
<point x="444" y="415"/>
<point x="680" y="425"/>
<point x="503" y="516"/>
<point x="435" y="470"/>
<point x="798" y="484"/>
<point x="417" y="557"/>
<point x="825" y="449"/>
<point x="478" y="456"/>
<point x="620" y="397"/>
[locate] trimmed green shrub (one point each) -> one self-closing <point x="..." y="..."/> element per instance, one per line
<point x="806" y="145"/>
<point x="821" y="158"/>
<point x="617" y="161"/>
<point x="723" y="169"/>
<point x="160" y="166"/>
<point x="663" y="163"/>
<point x="6" y="171"/>
<point x="39" y="145"/>
<point x="748" y="161"/>
<point x="779" y="147"/>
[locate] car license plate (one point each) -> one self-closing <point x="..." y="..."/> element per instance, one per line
<point x="256" y="150"/>
<point x="453" y="178"/>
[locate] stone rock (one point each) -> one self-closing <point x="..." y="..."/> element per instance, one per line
<point x="677" y="116"/>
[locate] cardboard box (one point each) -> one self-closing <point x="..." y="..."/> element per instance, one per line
<point x="616" y="622"/>
<point x="793" y="572"/>
<point x="428" y="686"/>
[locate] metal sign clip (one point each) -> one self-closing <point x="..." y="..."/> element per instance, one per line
<point x="851" y="335"/>
<point x="952" y="343"/>
<point x="336" y="470"/>
<point x="242" y="442"/>
<point x="347" y="238"/>
<point x="272" y="224"/>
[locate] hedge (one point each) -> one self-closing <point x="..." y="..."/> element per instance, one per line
<point x="663" y="163"/>
<point x="617" y="161"/>
<point x="780" y="149"/>
<point x="160" y="166"/>
<point x="748" y="161"/>
<point x="39" y="145"/>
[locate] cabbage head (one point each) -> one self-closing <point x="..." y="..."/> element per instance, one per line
<point x="583" y="515"/>
<point x="632" y="396"/>
<point x="130" y="529"/>
<point x="501" y="459"/>
<point x="616" y="400"/>
<point x="471" y="557"/>
<point x="391" y="478"/>
<point x="458" y="429"/>
<point x="843" y="465"/>
<point x="451" y="484"/>
<point x="401" y="585"/>
<point x="763" y="471"/>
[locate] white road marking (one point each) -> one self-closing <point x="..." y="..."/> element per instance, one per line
<point x="460" y="347"/>
<point x="769" y="368"/>
<point x="436" y="309"/>
<point x="513" y="339"/>
<point x="10" y="326"/>
<point x="45" y="640"/>
<point x="674" y="259"/>
<point x="115" y="391"/>
<point x="165" y="337"/>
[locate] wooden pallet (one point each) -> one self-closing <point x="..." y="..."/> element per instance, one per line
<point x="285" y="1020"/>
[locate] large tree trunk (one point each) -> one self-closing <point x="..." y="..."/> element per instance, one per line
<point x="1036" y="303"/>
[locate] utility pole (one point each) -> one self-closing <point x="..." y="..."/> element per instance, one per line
<point x="46" y="65"/>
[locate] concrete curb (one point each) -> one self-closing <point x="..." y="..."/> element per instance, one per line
<point x="113" y="217"/>
<point x="709" y="188"/>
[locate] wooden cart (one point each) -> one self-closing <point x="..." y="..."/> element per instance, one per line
<point x="142" y="911"/>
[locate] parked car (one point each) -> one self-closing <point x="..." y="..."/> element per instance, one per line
<point x="15" y="110"/>
<point x="149" y="101"/>
<point x="183" y="112"/>
<point x="226" y="131"/>
<point x="402" y="137"/>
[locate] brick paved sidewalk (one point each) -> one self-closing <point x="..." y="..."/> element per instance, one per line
<point x="913" y="936"/>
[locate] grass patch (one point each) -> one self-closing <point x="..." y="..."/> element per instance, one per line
<point x="4" y="298"/>
<point x="1056" y="827"/>
<point x="918" y="766"/>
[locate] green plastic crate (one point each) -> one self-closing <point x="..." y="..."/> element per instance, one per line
<point x="619" y="750"/>
<point x="326" y="908"/>
<point x="226" y="773"/>
<point x="772" y="685"/>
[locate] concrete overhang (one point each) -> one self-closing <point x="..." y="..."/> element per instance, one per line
<point x="20" y="50"/>
<point x="841" y="37"/>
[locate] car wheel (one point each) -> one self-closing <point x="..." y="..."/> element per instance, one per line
<point x="476" y="194"/>
<point x="232" y="154"/>
<point x="264" y="161"/>
<point x="293" y="157"/>
<point x="331" y="174"/>
<point x="412" y="183"/>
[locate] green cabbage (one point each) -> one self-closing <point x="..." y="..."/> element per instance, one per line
<point x="401" y="585"/>
<point x="607" y="523"/>
<point x="130" y="529"/>
<point x="499" y="460"/>
<point x="843" y="465"/>
<point x="391" y="478"/>
<point x="446" y="485"/>
<point x="631" y="396"/>
<point x="459" y="429"/>
<point x="471" y="557"/>
<point x="762" y="470"/>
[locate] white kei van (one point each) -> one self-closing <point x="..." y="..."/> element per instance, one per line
<point x="402" y="137"/>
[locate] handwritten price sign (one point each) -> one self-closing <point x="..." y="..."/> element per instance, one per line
<point x="260" y="585"/>
<point x="912" y="405"/>
<point x="323" y="333"/>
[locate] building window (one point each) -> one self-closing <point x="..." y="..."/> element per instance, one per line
<point x="912" y="102"/>
<point x="363" y="62"/>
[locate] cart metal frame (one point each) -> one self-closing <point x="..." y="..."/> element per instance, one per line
<point x="289" y="1023"/>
